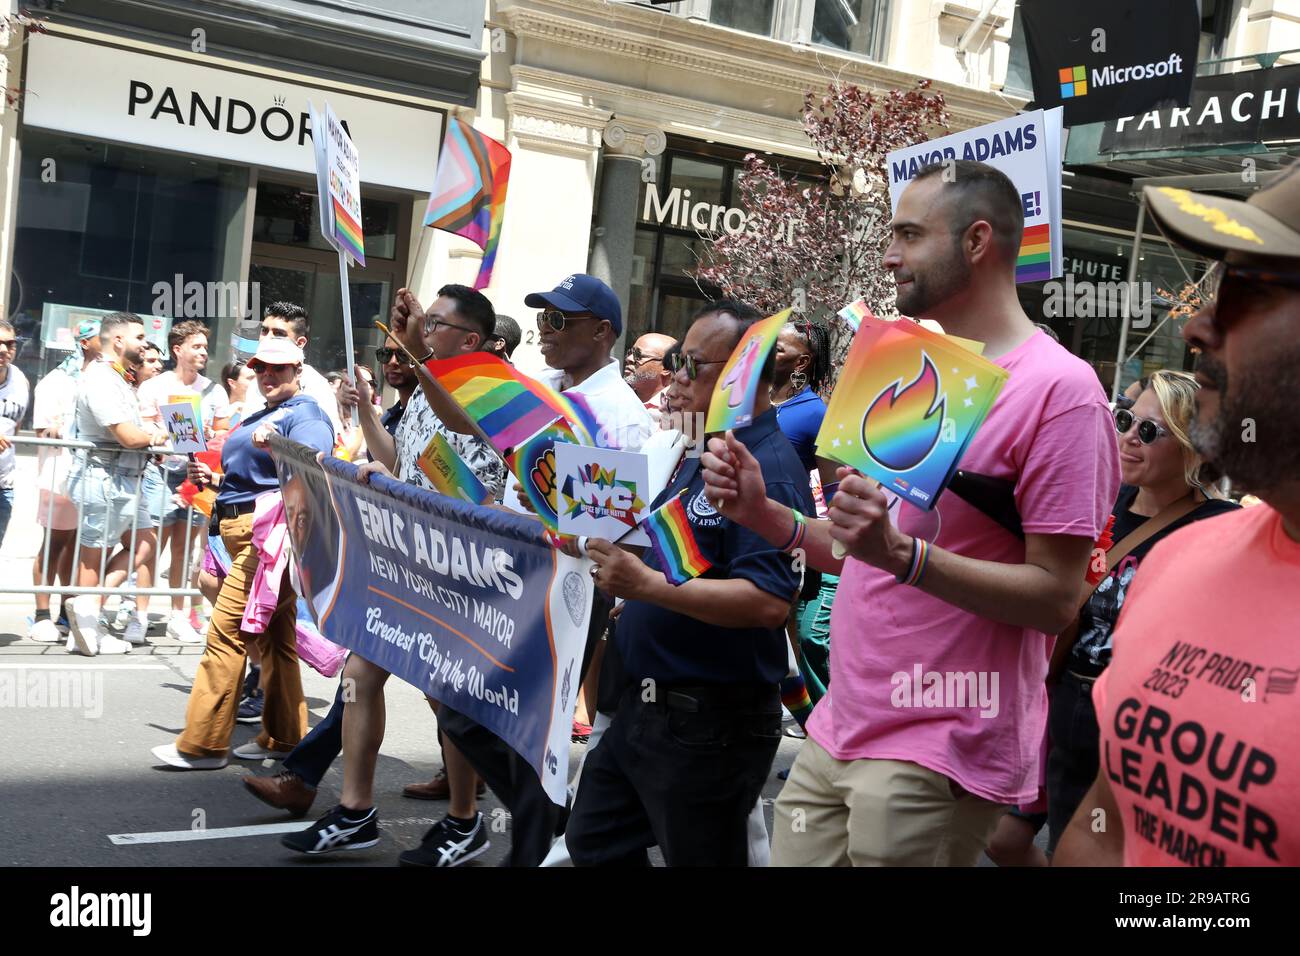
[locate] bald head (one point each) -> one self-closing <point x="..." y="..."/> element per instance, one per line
<point x="644" y="369"/>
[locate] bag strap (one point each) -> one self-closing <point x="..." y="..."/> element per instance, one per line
<point x="1117" y="553"/>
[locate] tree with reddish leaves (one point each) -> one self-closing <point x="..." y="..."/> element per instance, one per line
<point x="820" y="246"/>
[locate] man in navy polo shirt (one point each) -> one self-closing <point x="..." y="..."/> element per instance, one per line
<point x="699" y="721"/>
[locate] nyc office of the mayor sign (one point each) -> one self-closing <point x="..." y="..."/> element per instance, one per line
<point x="172" y="104"/>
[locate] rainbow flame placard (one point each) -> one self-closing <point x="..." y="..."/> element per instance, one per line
<point x="533" y="465"/>
<point x="669" y="530"/>
<point x="908" y="403"/>
<point x="450" y="474"/>
<point x="732" y="404"/>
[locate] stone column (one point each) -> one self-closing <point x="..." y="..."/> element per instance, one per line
<point x="614" y="234"/>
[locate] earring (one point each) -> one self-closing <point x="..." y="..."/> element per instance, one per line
<point x="798" y="380"/>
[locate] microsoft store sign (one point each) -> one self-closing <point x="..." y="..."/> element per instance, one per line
<point x="676" y="209"/>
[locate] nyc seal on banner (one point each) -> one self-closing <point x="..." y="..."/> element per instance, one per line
<point x="1028" y="148"/>
<point x="467" y="604"/>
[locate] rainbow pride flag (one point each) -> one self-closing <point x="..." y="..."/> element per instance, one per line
<point x="508" y="406"/>
<point x="469" y="192"/>
<point x="1034" y="263"/>
<point x="450" y="474"/>
<point x="674" y="543"/>
<point x="853" y="314"/>
<point x="348" y="232"/>
<point x="732" y="404"/>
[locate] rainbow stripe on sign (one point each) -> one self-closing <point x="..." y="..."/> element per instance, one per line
<point x="1035" y="261"/>
<point x="669" y="530"/>
<point x="450" y="474"/>
<point x="348" y="232"/>
<point x="732" y="403"/>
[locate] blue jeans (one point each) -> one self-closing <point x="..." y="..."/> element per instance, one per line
<point x="315" y="752"/>
<point x="6" y="510"/>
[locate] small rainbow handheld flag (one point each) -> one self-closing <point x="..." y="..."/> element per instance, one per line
<point x="508" y="406"/>
<point x="349" y="233"/>
<point x="674" y="543"/>
<point x="450" y="474"/>
<point x="853" y="314"/>
<point x="469" y="192"/>
<point x="732" y="404"/>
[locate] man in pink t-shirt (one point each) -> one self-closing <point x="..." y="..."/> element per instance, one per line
<point x="1200" y="764"/>
<point x="935" y="716"/>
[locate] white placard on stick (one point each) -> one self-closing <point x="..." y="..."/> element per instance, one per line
<point x="184" y="427"/>
<point x="602" y="492"/>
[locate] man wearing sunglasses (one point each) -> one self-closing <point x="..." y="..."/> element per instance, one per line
<point x="1198" y="708"/>
<point x="14" y="396"/>
<point x="644" y="369"/>
<point x="400" y="376"/>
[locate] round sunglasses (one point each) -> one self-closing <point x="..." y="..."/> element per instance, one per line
<point x="1148" y="432"/>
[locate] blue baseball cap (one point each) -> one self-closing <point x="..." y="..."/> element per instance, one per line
<point x="581" y="293"/>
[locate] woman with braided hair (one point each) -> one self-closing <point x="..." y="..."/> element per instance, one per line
<point x="802" y="368"/>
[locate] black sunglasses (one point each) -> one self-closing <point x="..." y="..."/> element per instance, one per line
<point x="682" y="360"/>
<point x="383" y="353"/>
<point x="1148" y="431"/>
<point x="1230" y="287"/>
<point x="557" y="319"/>
<point x="639" y="358"/>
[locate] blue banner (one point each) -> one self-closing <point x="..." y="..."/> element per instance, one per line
<point x="466" y="603"/>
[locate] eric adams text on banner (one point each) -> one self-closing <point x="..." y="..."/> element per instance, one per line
<point x="468" y="604"/>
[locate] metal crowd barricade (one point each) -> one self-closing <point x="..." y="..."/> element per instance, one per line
<point x="81" y="450"/>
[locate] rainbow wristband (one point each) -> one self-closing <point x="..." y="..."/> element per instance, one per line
<point x="796" y="537"/>
<point x="920" y="557"/>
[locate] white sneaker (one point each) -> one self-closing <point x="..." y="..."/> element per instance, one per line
<point x="169" y="755"/>
<point x="45" y="632"/>
<point x="125" y="613"/>
<point x="179" y="628"/>
<point x="108" y="644"/>
<point x="84" y="636"/>
<point x="255" y="751"/>
<point x="135" y="629"/>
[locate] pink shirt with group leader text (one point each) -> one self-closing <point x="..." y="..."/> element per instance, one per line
<point x="914" y="678"/>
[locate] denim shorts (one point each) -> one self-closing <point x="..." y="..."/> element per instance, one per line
<point x="157" y="496"/>
<point x="110" y="500"/>
<point x="174" y="511"/>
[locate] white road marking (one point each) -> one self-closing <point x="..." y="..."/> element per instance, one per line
<point x="226" y="833"/>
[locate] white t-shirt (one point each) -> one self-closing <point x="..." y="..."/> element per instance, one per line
<point x="167" y="387"/>
<point x="14" y="395"/>
<point x="54" y="401"/>
<point x="104" y="399"/>
<point x="624" y="421"/>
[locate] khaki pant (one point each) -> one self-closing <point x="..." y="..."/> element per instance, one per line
<point x="876" y="813"/>
<point x="214" y="699"/>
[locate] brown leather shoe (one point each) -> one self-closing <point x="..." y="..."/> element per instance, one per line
<point x="436" y="789"/>
<point x="284" y="791"/>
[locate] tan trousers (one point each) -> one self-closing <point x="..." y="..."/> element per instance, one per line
<point x="876" y="813"/>
<point x="214" y="699"/>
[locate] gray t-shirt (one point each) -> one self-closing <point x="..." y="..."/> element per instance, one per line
<point x="104" y="399"/>
<point x="13" y="406"/>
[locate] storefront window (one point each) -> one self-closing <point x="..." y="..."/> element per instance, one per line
<point x="855" y="26"/>
<point x="752" y="16"/>
<point x="287" y="215"/>
<point x="101" y="226"/>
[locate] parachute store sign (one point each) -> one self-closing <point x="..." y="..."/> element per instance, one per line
<point x="104" y="92"/>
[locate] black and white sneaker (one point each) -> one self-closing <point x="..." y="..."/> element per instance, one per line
<point x="446" y="844"/>
<point x="335" y="831"/>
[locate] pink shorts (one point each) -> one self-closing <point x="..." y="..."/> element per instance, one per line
<point x="64" y="516"/>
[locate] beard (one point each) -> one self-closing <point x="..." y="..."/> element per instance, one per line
<point x="939" y="281"/>
<point x="1255" y="438"/>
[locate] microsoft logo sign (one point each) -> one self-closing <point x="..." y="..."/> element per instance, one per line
<point x="1074" y="82"/>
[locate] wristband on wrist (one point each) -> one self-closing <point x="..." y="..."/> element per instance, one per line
<point x="916" y="569"/>
<point x="797" y="535"/>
